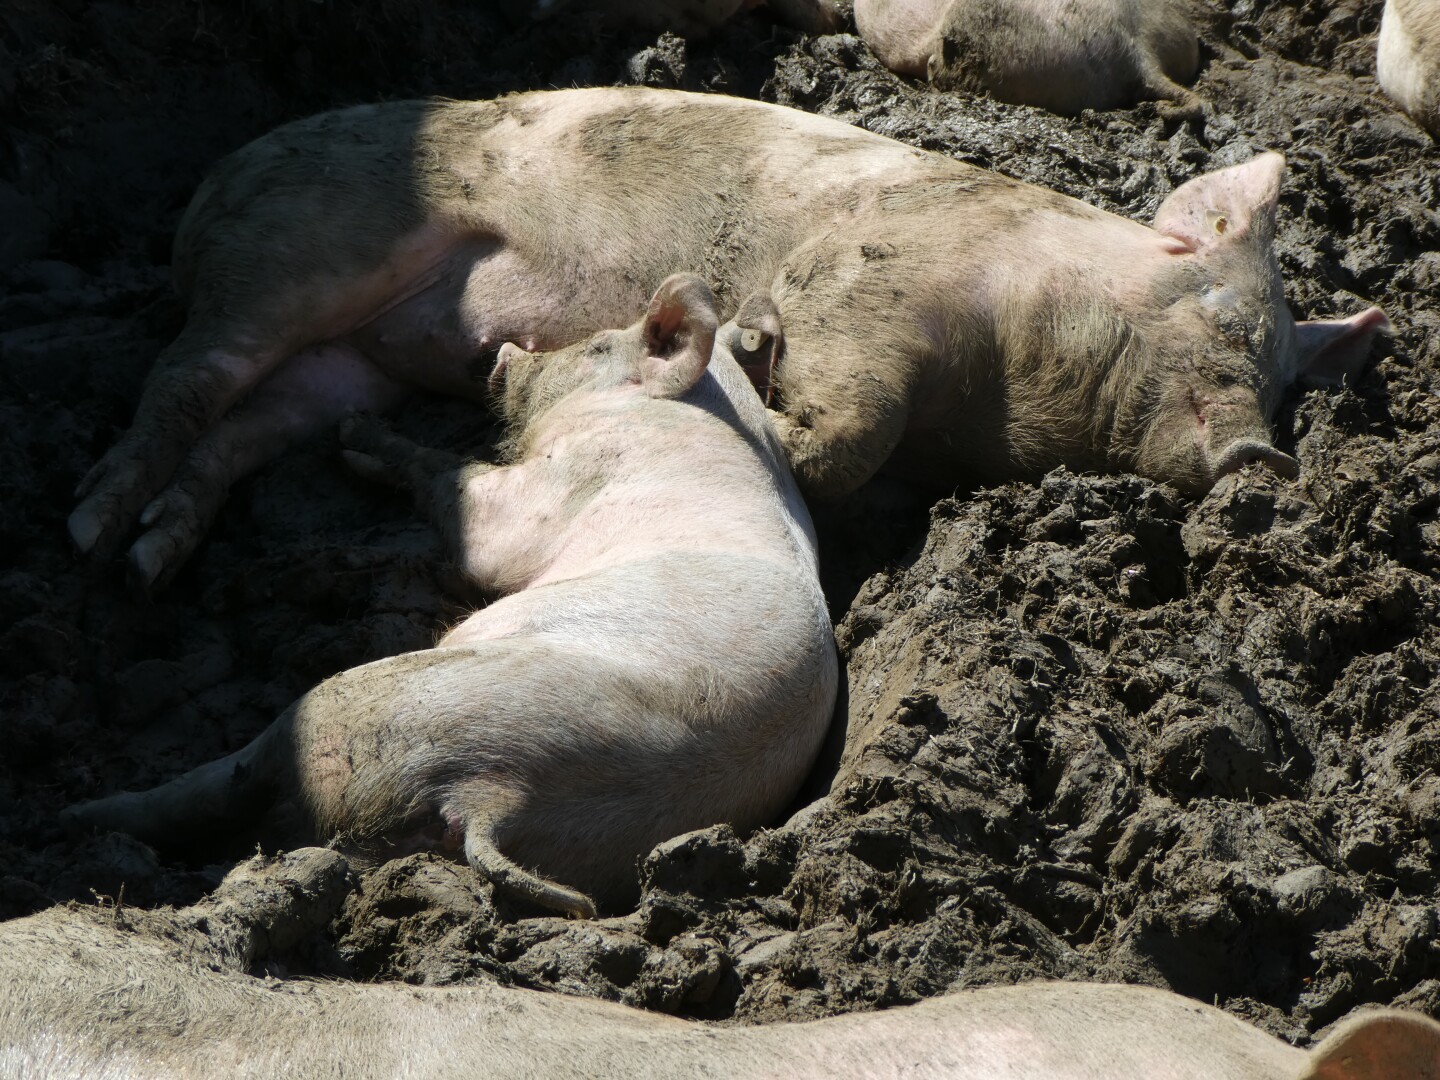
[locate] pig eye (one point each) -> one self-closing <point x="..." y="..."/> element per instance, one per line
<point x="1217" y="221"/>
<point x="752" y="340"/>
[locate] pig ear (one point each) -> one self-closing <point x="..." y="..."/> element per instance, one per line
<point x="1385" y="1043"/>
<point x="1224" y="206"/>
<point x="1334" y="351"/>
<point x="679" y="332"/>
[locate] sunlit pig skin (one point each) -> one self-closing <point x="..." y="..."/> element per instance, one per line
<point x="359" y="252"/>
<point x="659" y="659"/>
<point x="91" y="995"/>
<point x="1062" y="55"/>
<point x="1407" y="59"/>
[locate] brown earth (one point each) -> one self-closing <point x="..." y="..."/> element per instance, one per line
<point x="1096" y="731"/>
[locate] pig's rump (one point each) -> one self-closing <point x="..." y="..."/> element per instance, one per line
<point x="609" y="717"/>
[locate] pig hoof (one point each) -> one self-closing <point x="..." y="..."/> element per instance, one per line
<point x="149" y="559"/>
<point x="370" y="468"/>
<point x="115" y="813"/>
<point x="1243" y="452"/>
<point x="85" y="528"/>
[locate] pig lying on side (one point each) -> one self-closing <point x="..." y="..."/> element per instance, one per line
<point x="1407" y="61"/>
<point x="1062" y="55"/>
<point x="697" y="17"/>
<point x="661" y="660"/>
<point x="83" y="996"/>
<point x="985" y="328"/>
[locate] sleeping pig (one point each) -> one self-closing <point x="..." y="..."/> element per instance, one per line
<point x="660" y="660"/>
<point x="976" y="327"/>
<point x="694" y="18"/>
<point x="86" y="994"/>
<point x="1407" y="60"/>
<point x="1062" y="55"/>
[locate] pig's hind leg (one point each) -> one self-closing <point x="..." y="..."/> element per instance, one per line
<point x="1175" y="102"/>
<point x="311" y="391"/>
<point x="481" y="825"/>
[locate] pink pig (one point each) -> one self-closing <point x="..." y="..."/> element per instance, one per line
<point x="660" y="660"/>
<point x="159" y="995"/>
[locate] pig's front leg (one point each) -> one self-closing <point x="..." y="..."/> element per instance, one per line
<point x="311" y="391"/>
<point x="1175" y="102"/>
<point x="434" y="478"/>
<point x="845" y="401"/>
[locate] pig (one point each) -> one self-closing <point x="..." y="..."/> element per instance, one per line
<point x="1062" y="55"/>
<point x="1407" y="59"/>
<point x="694" y="18"/>
<point x="972" y="327"/>
<point x="660" y="659"/>
<point x="99" y="993"/>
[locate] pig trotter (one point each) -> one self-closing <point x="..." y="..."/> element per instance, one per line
<point x="113" y="492"/>
<point x="376" y="453"/>
<point x="175" y="522"/>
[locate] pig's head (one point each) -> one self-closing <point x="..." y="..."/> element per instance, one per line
<point x="1220" y="345"/>
<point x="665" y="353"/>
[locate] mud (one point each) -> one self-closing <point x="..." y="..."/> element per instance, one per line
<point x="1096" y="731"/>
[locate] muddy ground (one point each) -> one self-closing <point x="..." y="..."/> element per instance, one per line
<point x="1096" y="731"/>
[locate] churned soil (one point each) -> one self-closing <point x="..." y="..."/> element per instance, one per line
<point x="1095" y="731"/>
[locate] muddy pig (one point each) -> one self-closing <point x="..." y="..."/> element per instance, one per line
<point x="661" y="659"/>
<point x="696" y="17"/>
<point x="1062" y="55"/>
<point x="99" y="993"/>
<point x="1407" y="60"/>
<point x="986" y="328"/>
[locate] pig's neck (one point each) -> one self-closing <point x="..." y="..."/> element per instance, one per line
<point x="620" y="479"/>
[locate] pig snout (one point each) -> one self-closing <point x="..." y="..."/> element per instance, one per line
<point x="1233" y="434"/>
<point x="1248" y="451"/>
<point x="1200" y="436"/>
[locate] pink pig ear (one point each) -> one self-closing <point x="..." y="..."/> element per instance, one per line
<point x="1333" y="351"/>
<point x="1224" y="206"/>
<point x="679" y="332"/>
<point x="1386" y="1042"/>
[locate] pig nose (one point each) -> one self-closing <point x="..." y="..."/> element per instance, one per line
<point x="1243" y="452"/>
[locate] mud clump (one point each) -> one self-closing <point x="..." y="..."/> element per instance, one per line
<point x="1095" y="731"/>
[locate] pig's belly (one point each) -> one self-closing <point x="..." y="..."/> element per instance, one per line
<point x="444" y="336"/>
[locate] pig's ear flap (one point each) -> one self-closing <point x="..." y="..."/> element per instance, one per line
<point x="1224" y="206"/>
<point x="679" y="333"/>
<point x="1387" y="1042"/>
<point x="759" y="341"/>
<point x="1334" y="351"/>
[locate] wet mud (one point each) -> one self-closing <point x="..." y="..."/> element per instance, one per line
<point x="1095" y="731"/>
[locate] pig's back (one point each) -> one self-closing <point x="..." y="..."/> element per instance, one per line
<point x="640" y="181"/>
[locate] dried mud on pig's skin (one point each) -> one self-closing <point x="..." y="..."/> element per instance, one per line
<point x="1114" y="735"/>
<point x="1066" y="336"/>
